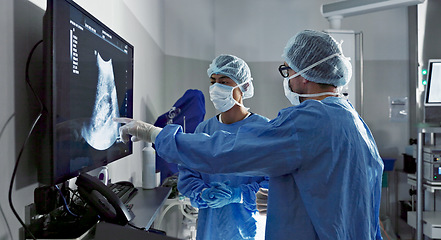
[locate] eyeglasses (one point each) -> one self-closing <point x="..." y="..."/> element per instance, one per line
<point x="283" y="69"/>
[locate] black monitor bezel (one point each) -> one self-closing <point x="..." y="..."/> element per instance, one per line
<point x="46" y="161"/>
<point x="430" y="83"/>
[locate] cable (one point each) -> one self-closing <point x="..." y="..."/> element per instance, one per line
<point x="187" y="215"/>
<point x="42" y="108"/>
<point x="136" y="227"/>
<point x="24" y="144"/>
<point x="165" y="211"/>
<point x="1" y="209"/>
<point x="65" y="203"/>
<point x="384" y="230"/>
<point x="6" y="123"/>
<point x="193" y="218"/>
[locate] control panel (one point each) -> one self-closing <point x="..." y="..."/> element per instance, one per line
<point x="432" y="163"/>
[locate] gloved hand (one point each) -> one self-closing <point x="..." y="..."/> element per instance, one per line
<point x="221" y="194"/>
<point x="208" y="194"/>
<point x="262" y="201"/>
<point x="138" y="129"/>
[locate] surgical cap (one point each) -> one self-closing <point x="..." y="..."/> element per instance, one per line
<point x="309" y="47"/>
<point x="234" y="68"/>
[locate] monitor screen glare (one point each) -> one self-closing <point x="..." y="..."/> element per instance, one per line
<point x="433" y="94"/>
<point x="91" y="74"/>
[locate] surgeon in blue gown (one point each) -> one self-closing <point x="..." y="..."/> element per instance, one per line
<point x="324" y="167"/>
<point x="228" y="215"/>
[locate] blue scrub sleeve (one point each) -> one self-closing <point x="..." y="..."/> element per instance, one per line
<point x="254" y="145"/>
<point x="378" y="235"/>
<point x="190" y="184"/>
<point x="249" y="195"/>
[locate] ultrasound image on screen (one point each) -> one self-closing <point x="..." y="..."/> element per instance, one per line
<point x="101" y="131"/>
<point x="95" y="85"/>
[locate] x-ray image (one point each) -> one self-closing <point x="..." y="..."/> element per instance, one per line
<point x="101" y="131"/>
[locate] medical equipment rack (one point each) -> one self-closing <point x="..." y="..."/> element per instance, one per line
<point x="416" y="219"/>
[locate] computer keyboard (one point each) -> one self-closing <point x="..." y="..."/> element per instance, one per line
<point x="124" y="191"/>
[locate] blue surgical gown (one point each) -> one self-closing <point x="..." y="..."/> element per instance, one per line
<point x="233" y="221"/>
<point x="324" y="167"/>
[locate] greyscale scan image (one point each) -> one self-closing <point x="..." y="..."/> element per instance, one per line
<point x="100" y="132"/>
<point x="93" y="84"/>
<point x="96" y="93"/>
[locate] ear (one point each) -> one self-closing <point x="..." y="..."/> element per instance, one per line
<point x="304" y="81"/>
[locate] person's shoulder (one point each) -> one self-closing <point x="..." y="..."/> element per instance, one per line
<point x="204" y="124"/>
<point x="338" y="104"/>
<point x="308" y="111"/>
<point x="329" y="102"/>
<point x="207" y="121"/>
<point x="330" y="109"/>
<point x="258" y="117"/>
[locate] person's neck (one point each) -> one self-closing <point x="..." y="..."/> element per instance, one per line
<point x="314" y="88"/>
<point x="235" y="114"/>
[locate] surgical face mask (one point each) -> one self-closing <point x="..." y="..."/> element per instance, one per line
<point x="293" y="97"/>
<point x="222" y="96"/>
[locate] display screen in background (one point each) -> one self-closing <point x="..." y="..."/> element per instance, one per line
<point x="434" y="94"/>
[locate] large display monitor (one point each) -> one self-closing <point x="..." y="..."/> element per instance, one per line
<point x="88" y="80"/>
<point x="432" y="101"/>
<point x="433" y="88"/>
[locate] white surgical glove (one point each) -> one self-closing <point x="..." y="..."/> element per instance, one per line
<point x="262" y="201"/>
<point x="138" y="129"/>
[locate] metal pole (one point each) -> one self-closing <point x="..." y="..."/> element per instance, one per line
<point x="419" y="181"/>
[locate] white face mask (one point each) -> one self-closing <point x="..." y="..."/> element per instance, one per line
<point x="293" y="97"/>
<point x="222" y="96"/>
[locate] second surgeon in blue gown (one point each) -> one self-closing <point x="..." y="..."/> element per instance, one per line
<point x="225" y="218"/>
<point x="324" y="166"/>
